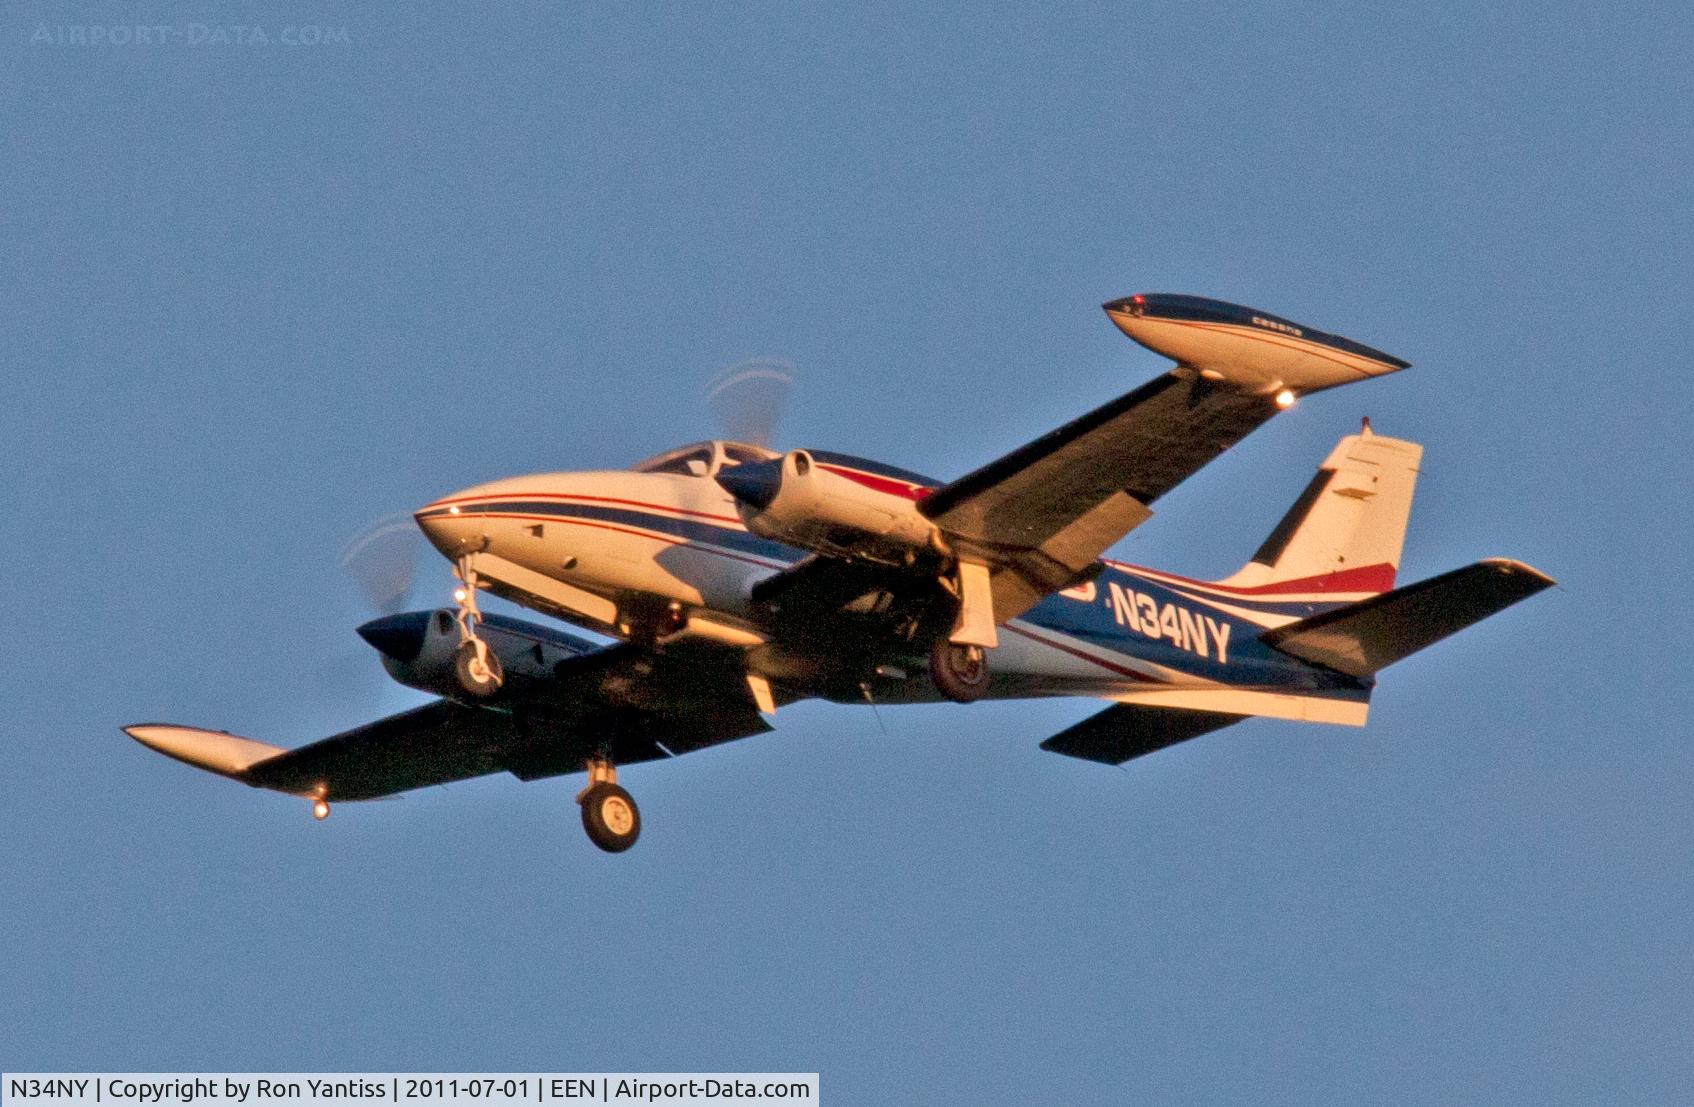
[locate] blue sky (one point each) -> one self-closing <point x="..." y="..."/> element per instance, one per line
<point x="255" y="295"/>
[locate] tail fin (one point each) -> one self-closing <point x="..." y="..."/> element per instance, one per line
<point x="1345" y="532"/>
<point x="1362" y="638"/>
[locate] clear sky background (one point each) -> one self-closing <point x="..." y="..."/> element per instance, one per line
<point x="255" y="295"/>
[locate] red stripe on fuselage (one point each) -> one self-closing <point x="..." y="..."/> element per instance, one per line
<point x="904" y="489"/>
<point x="1365" y="578"/>
<point x="568" y="496"/>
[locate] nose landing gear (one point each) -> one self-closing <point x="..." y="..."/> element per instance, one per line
<point x="477" y="667"/>
<point x="609" y="814"/>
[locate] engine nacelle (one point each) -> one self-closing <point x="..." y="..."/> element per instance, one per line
<point x="417" y="648"/>
<point x="800" y="502"/>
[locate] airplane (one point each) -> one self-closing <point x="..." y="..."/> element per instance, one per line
<point x="735" y="579"/>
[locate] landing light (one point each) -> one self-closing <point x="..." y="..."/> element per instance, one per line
<point x="459" y="595"/>
<point x="454" y="510"/>
<point x="320" y="810"/>
<point x="1285" y="399"/>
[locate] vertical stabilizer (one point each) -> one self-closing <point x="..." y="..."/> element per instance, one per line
<point x="1345" y="532"/>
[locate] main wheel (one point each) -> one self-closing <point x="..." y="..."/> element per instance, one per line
<point x="610" y="817"/>
<point x="480" y="676"/>
<point x="960" y="672"/>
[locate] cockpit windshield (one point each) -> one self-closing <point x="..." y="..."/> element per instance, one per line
<point x="739" y="453"/>
<point x="689" y="461"/>
<point x="702" y="459"/>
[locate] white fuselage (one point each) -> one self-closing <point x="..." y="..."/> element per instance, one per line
<point x="626" y="546"/>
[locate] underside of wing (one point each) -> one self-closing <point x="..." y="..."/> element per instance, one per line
<point x="435" y="744"/>
<point x="627" y="703"/>
<point x="1140" y="445"/>
<point x="1046" y="511"/>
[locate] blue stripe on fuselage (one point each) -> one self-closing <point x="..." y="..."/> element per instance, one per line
<point x="1133" y="616"/>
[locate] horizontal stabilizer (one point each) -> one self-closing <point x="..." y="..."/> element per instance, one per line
<point x="1128" y="731"/>
<point x="212" y="750"/>
<point x="1370" y="635"/>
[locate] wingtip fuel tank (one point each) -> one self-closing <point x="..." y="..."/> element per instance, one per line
<point x="212" y="750"/>
<point x="1251" y="349"/>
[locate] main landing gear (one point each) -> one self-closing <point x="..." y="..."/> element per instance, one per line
<point x="957" y="662"/>
<point x="960" y="672"/>
<point x="477" y="667"/>
<point x="609" y="814"/>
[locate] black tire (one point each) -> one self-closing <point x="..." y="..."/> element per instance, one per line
<point x="610" y="817"/>
<point x="472" y="678"/>
<point x="960" y="672"/>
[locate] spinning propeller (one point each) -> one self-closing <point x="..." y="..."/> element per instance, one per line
<point x="749" y="397"/>
<point x="382" y="560"/>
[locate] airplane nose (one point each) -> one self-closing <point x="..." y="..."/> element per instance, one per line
<point x="447" y="530"/>
<point x="754" y="483"/>
<point x="429" y="520"/>
<point x="398" y="636"/>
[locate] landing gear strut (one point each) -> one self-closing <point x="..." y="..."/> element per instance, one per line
<point x="609" y="814"/>
<point x="960" y="672"/>
<point x="477" y="667"/>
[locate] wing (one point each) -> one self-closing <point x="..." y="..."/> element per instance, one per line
<point x="1039" y="517"/>
<point x="1140" y="445"/>
<point x="1042" y="514"/>
<point x="626" y="702"/>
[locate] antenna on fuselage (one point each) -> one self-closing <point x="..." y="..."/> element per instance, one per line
<point x="865" y="687"/>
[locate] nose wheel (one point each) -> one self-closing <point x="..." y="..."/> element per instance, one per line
<point x="476" y="666"/>
<point x="609" y="814"/>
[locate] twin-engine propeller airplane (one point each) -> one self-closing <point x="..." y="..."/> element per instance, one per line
<point x="740" y="579"/>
